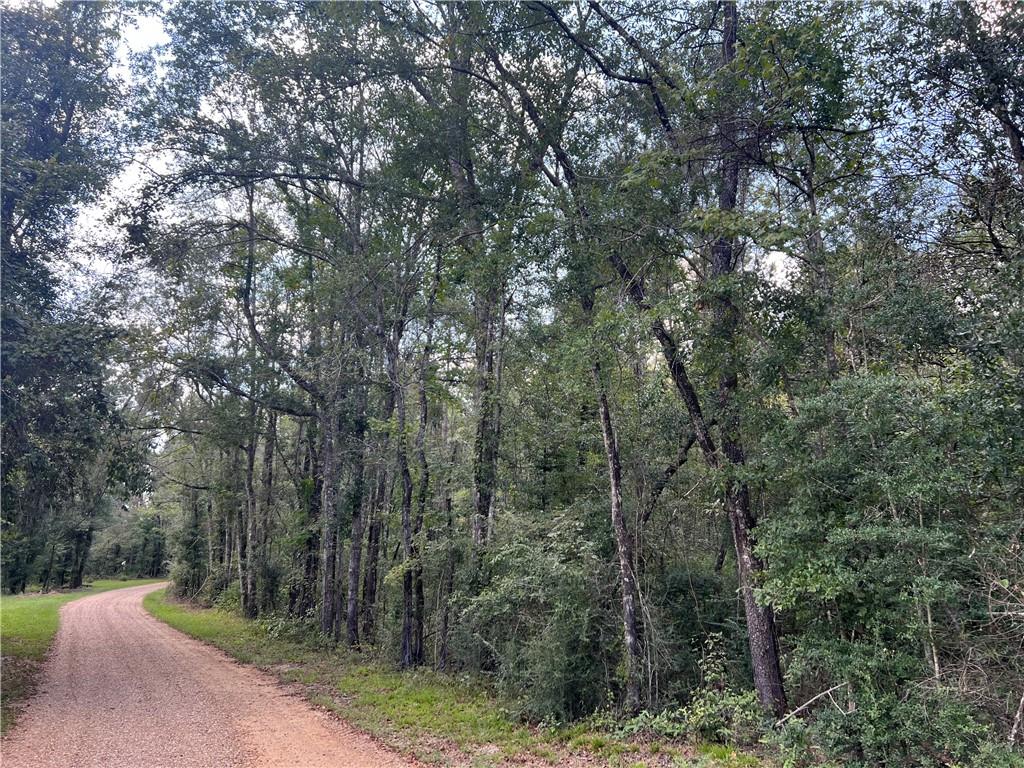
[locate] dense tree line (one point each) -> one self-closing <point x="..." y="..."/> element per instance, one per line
<point x="632" y="355"/>
<point x="68" y="452"/>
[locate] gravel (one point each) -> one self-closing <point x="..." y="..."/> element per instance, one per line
<point x="122" y="690"/>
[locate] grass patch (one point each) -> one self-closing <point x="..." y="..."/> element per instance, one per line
<point x="28" y="624"/>
<point x="437" y="718"/>
<point x="420" y="712"/>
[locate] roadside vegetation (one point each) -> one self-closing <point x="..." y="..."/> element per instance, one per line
<point x="28" y="624"/>
<point x="436" y="718"/>
<point x="652" y="368"/>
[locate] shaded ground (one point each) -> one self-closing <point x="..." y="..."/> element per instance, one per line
<point x="122" y="689"/>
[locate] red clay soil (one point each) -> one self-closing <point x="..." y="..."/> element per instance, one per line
<point x="122" y="690"/>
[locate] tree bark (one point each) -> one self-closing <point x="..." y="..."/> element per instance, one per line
<point x="266" y="503"/>
<point x="356" y="505"/>
<point x="423" y="487"/>
<point x="407" y="658"/>
<point x="303" y="599"/>
<point x="624" y="549"/>
<point x="487" y="302"/>
<point x="449" y="584"/>
<point x="725" y="319"/>
<point x="247" y="561"/>
<point x="372" y="558"/>
<point x="329" y="513"/>
<point x="378" y="506"/>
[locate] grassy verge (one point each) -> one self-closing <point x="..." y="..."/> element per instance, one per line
<point x="432" y="717"/>
<point x="27" y="626"/>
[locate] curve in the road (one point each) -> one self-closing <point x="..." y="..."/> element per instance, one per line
<point x="123" y="690"/>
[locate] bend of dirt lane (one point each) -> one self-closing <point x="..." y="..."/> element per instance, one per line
<point x="123" y="690"/>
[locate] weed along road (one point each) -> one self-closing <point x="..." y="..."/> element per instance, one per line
<point x="122" y="690"/>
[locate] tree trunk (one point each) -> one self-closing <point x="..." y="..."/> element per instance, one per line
<point x="764" y="651"/>
<point x="249" y="555"/>
<point x="449" y="573"/>
<point x="624" y="549"/>
<point x="209" y="536"/>
<point x="329" y="513"/>
<point x="83" y="542"/>
<point x="449" y="584"/>
<point x="487" y="300"/>
<point x="49" y="567"/>
<point x="266" y="505"/>
<point x="302" y="600"/>
<point x="407" y="643"/>
<point x="372" y="560"/>
<point x="378" y="507"/>
<point x="423" y="487"/>
<point x="356" y="505"/>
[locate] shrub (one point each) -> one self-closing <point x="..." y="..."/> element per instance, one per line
<point x="716" y="711"/>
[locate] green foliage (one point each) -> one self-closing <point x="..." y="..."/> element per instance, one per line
<point x="64" y="443"/>
<point x="469" y="292"/>
<point x="135" y="545"/>
<point x="716" y="712"/>
<point x="856" y="560"/>
<point x="406" y="710"/>
<point x="534" y="621"/>
<point x="925" y="729"/>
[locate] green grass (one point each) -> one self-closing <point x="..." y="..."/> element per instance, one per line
<point x="421" y="712"/>
<point x="436" y="718"/>
<point x="27" y="626"/>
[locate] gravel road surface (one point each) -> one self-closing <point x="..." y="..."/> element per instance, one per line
<point x="123" y="690"/>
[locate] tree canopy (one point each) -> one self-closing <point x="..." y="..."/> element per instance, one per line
<point x="659" y="358"/>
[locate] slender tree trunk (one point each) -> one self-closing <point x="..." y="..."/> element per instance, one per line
<point x="378" y="509"/>
<point x="401" y="456"/>
<point x="372" y="561"/>
<point x="487" y="439"/>
<point x="49" y="567"/>
<point x="303" y="598"/>
<point x="487" y="301"/>
<point x="1017" y="720"/>
<point x="209" y="536"/>
<point x="227" y="548"/>
<point x="266" y="505"/>
<point x="449" y="584"/>
<point x="624" y="549"/>
<point x="249" y="560"/>
<point x="329" y="513"/>
<point x="356" y="506"/>
<point x="449" y="573"/>
<point x="423" y="487"/>
<point x="338" y="612"/>
<point x="238" y="521"/>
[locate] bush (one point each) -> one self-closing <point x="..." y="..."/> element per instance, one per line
<point x="533" y="625"/>
<point x="920" y="728"/>
<point x="731" y="717"/>
<point x="716" y="712"/>
<point x="229" y="598"/>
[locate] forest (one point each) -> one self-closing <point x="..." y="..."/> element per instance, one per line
<point x="655" y="359"/>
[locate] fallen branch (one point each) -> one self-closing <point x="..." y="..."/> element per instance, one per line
<point x="810" y="701"/>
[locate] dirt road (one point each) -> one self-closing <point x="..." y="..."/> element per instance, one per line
<point x="123" y="690"/>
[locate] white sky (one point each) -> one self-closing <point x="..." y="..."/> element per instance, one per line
<point x="87" y="265"/>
